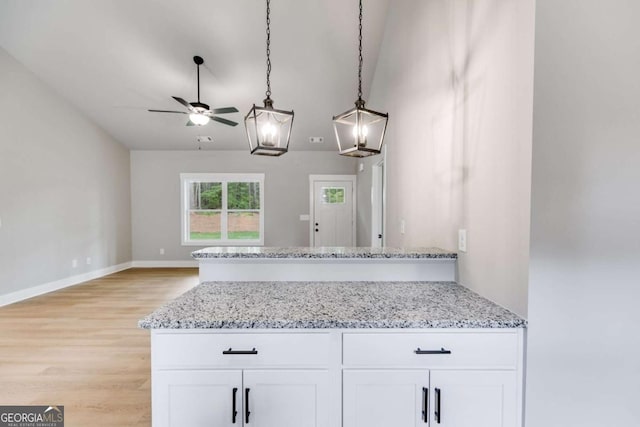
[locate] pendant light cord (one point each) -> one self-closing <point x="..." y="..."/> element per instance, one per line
<point x="268" y="92"/>
<point x="359" y="55"/>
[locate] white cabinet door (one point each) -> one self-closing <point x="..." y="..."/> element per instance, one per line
<point x="473" y="399"/>
<point x="286" y="398"/>
<point x="197" y="398"/>
<point x="385" y="398"/>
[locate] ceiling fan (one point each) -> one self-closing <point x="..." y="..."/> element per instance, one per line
<point x="199" y="113"/>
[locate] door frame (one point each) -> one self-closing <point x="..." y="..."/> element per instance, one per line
<point x="379" y="195"/>
<point x="312" y="180"/>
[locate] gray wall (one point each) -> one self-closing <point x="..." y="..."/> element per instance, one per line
<point x="583" y="344"/>
<point x="64" y="186"/>
<point x="456" y="77"/>
<point x="155" y="190"/>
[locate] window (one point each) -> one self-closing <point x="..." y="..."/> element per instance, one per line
<point x="332" y="195"/>
<point x="222" y="209"/>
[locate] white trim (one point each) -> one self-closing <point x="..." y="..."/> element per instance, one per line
<point x="354" y="198"/>
<point x="165" y="264"/>
<point x="34" y="291"/>
<point x="377" y="201"/>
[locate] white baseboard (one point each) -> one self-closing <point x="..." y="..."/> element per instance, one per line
<point x="34" y="291"/>
<point x="164" y="264"/>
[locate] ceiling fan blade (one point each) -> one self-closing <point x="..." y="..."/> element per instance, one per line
<point x="224" y="110"/>
<point x="183" y="102"/>
<point x="167" y="111"/>
<point x="190" y="123"/>
<point x="224" y="121"/>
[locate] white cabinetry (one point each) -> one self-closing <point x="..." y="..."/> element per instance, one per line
<point x="203" y="379"/>
<point x="383" y="398"/>
<point x="474" y="398"/>
<point x="453" y="378"/>
<point x="334" y="378"/>
<point x="196" y="398"/>
<point x="287" y="398"/>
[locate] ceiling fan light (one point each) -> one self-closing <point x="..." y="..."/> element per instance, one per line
<point x="199" y="119"/>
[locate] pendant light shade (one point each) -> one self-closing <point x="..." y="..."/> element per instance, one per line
<point x="268" y="129"/>
<point x="360" y="131"/>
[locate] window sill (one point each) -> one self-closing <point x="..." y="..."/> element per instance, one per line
<point x="205" y="243"/>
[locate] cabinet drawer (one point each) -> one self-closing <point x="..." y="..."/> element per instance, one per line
<point x="203" y="350"/>
<point x="481" y="350"/>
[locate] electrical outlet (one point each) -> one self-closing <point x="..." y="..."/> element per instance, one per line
<point x="402" y="226"/>
<point x="74" y="263"/>
<point x="88" y="260"/>
<point x="161" y="251"/>
<point x="462" y="240"/>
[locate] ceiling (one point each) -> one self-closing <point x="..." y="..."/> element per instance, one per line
<point x="114" y="59"/>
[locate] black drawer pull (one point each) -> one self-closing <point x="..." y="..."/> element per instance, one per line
<point x="438" y="411"/>
<point x="231" y="351"/>
<point x="441" y="351"/>
<point x="234" y="413"/>
<point x="425" y="405"/>
<point x="247" y="412"/>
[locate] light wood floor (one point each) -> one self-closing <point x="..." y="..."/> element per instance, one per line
<point x="80" y="347"/>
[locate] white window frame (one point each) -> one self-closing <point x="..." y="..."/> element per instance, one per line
<point x="186" y="179"/>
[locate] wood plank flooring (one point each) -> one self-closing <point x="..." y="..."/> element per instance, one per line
<point x="80" y="347"/>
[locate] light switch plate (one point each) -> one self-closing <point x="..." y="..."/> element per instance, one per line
<point x="402" y="226"/>
<point x="462" y="240"/>
<point x="304" y="217"/>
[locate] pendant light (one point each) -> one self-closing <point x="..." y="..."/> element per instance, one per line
<point x="359" y="131"/>
<point x="268" y="129"/>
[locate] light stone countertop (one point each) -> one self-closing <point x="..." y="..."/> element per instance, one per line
<point x="322" y="253"/>
<point x="311" y="305"/>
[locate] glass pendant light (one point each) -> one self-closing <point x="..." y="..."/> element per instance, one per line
<point x="359" y="131"/>
<point x="268" y="129"/>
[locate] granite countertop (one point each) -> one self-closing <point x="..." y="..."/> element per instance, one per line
<point x="322" y="252"/>
<point x="277" y="305"/>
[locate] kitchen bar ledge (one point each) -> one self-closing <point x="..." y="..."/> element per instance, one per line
<point x="265" y="252"/>
<point x="250" y="264"/>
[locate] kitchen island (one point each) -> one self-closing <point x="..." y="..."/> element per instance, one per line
<point x="330" y="354"/>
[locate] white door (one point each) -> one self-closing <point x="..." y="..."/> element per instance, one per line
<point x="286" y="398"/>
<point x="473" y="398"/>
<point x="197" y="398"/>
<point x="385" y="398"/>
<point x="333" y="213"/>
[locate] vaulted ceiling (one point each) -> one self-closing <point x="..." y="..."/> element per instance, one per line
<point x="114" y="59"/>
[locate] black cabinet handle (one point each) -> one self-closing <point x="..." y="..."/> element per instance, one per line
<point x="234" y="413"/>
<point x="246" y="406"/>
<point x="438" y="412"/>
<point x="231" y="351"/>
<point x="425" y="405"/>
<point x="441" y="351"/>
